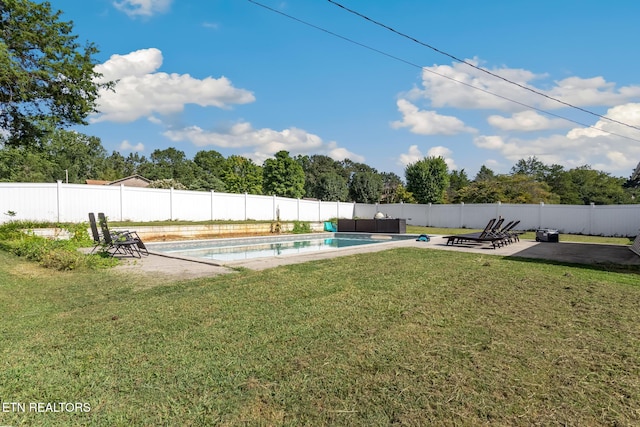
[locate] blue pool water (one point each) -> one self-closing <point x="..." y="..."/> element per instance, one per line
<point x="260" y="247"/>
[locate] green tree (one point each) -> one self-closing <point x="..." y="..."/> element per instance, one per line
<point x="531" y="167"/>
<point x="241" y="175"/>
<point x="209" y="170"/>
<point x="365" y="187"/>
<point x="482" y="191"/>
<point x="210" y="162"/>
<point x="169" y="164"/>
<point x="19" y="164"/>
<point x="591" y="186"/>
<point x="81" y="156"/>
<point x="484" y="174"/>
<point x="457" y="181"/>
<point x="47" y="78"/>
<point x="428" y="179"/>
<point x="331" y="186"/>
<point x="283" y="176"/>
<point x="391" y="184"/>
<point x="317" y="166"/>
<point x="518" y="188"/>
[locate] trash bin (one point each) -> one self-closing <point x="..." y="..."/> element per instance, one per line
<point x="547" y="235"/>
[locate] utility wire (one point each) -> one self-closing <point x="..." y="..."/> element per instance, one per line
<point x="484" y="70"/>
<point x="436" y="73"/>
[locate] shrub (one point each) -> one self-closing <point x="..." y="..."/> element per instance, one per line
<point x="301" y="227"/>
<point x="63" y="259"/>
<point x="57" y="254"/>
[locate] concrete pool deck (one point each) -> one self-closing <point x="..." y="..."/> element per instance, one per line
<point x="562" y="252"/>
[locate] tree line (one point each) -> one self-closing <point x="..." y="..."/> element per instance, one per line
<point x="61" y="153"/>
<point x="48" y="83"/>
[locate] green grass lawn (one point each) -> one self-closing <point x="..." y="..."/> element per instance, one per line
<point x="400" y="337"/>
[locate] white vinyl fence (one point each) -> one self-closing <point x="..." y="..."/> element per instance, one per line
<point x="609" y="220"/>
<point x="71" y="203"/>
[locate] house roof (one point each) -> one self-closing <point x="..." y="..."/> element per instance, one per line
<point x="133" y="181"/>
<point x="130" y="178"/>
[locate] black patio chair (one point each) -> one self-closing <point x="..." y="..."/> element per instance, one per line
<point x="123" y="242"/>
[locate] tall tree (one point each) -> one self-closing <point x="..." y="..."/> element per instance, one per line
<point x="331" y="186"/>
<point x="283" y="176"/>
<point x="531" y="167"/>
<point x="428" y="179"/>
<point x="317" y="166"/>
<point x="457" y="181"/>
<point x="365" y="187"/>
<point x="46" y="78"/>
<point x="75" y="155"/>
<point x="484" y="174"/>
<point x="241" y="175"/>
<point x="600" y="188"/>
<point x="19" y="164"/>
<point x="209" y="170"/>
<point x="169" y="164"/>
<point x="391" y="184"/>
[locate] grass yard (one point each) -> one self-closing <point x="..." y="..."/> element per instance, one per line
<point x="400" y="337"/>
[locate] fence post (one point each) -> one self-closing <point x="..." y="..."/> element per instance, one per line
<point x="171" y="203"/>
<point x="591" y="211"/>
<point x="319" y="210"/>
<point x="213" y="195"/>
<point x="273" y="208"/>
<point x="462" y="225"/>
<point x="540" y="214"/>
<point x="298" y="208"/>
<point x="59" y="199"/>
<point x="246" y="198"/>
<point x="121" y="202"/>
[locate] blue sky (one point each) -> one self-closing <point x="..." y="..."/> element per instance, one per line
<point x="235" y="77"/>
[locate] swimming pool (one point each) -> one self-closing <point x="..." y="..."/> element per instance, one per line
<point x="261" y="247"/>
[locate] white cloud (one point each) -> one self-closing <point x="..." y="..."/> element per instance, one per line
<point x="445" y="153"/>
<point x="593" y="91"/>
<point x="141" y="91"/>
<point x="126" y="146"/>
<point x="427" y="122"/>
<point x="628" y="113"/>
<point x="462" y="86"/>
<point x="414" y="155"/>
<point x="135" y="8"/>
<point x="580" y="146"/>
<point x="489" y="142"/>
<point x="526" y="121"/>
<point x="264" y="142"/>
<point x="134" y="64"/>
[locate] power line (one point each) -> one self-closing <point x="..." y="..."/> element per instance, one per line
<point x="439" y="74"/>
<point x="484" y="70"/>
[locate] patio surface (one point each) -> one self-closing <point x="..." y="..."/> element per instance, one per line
<point x="562" y="252"/>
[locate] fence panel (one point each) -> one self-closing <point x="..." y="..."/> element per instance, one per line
<point x="259" y="208"/>
<point x="626" y="223"/>
<point x="190" y="205"/>
<point x="36" y="202"/>
<point x="71" y="203"/>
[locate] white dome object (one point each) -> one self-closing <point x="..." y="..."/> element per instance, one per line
<point x="379" y="215"/>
